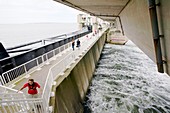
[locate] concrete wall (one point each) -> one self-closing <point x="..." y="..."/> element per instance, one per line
<point x="164" y="23"/>
<point x="137" y="27"/>
<point x="72" y="87"/>
<point x="136" y="23"/>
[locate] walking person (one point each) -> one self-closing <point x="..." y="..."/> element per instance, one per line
<point x="73" y="43"/>
<point x="32" y="88"/>
<point x="32" y="92"/>
<point x="87" y="36"/>
<point x="78" y="43"/>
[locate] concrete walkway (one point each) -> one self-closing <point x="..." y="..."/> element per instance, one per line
<point x="41" y="75"/>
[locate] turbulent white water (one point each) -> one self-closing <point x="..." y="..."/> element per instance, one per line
<point x="126" y="81"/>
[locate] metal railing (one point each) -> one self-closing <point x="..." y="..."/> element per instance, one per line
<point x="4" y="89"/>
<point x="20" y="104"/>
<point x="59" y="68"/>
<point x="25" y="69"/>
<point x="13" y="102"/>
<point x="17" y="103"/>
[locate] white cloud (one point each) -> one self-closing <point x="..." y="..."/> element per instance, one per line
<point x="33" y="11"/>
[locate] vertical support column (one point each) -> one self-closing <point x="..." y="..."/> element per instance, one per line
<point x="121" y="25"/>
<point x="43" y="42"/>
<point x="156" y="36"/>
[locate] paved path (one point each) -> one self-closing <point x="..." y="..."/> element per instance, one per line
<point x="41" y="75"/>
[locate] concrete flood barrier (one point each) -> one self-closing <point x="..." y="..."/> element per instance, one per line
<point x="71" y="88"/>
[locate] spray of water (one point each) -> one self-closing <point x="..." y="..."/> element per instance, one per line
<point x="127" y="81"/>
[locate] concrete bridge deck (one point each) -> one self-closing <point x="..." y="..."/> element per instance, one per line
<point x="146" y="25"/>
<point x="51" y="74"/>
<point x="40" y="75"/>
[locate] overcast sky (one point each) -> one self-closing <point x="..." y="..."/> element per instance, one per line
<point x="35" y="11"/>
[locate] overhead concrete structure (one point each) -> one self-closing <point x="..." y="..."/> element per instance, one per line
<point x="105" y="9"/>
<point x="137" y="19"/>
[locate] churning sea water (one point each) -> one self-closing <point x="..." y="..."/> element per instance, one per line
<point x="126" y="81"/>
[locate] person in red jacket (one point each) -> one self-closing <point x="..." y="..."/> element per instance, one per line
<point x="32" y="88"/>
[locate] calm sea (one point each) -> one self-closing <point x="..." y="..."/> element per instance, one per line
<point x="16" y="34"/>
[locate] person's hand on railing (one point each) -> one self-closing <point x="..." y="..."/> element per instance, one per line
<point x="19" y="91"/>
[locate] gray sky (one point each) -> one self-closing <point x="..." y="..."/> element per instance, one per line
<point x="35" y="11"/>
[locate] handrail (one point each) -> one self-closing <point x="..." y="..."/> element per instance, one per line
<point x="12" y="74"/>
<point x="28" y="99"/>
<point x="41" y="104"/>
<point x="52" y="77"/>
<point x="7" y="88"/>
<point x="38" y="41"/>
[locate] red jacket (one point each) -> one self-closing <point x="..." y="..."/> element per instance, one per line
<point x="32" y="89"/>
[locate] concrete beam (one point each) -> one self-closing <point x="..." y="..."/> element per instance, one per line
<point x="97" y="7"/>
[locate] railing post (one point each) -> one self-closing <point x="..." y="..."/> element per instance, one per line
<point x="47" y="59"/>
<point x="42" y="57"/>
<point x="59" y="49"/>
<point x="9" y="108"/>
<point x="8" y="77"/>
<point x="38" y="65"/>
<point x="1" y="79"/>
<point x="26" y="72"/>
<point x="53" y="52"/>
<point x="64" y="46"/>
<point x="4" y="109"/>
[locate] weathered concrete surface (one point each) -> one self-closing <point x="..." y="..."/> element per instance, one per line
<point x="135" y="19"/>
<point x="164" y="17"/>
<point x="137" y="26"/>
<point x="71" y="88"/>
<point x="98" y="8"/>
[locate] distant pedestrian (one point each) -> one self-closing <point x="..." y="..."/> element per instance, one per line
<point x="73" y="43"/>
<point x="94" y="34"/>
<point x="32" y="88"/>
<point x="78" y="43"/>
<point x="95" y="31"/>
<point x="87" y="36"/>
